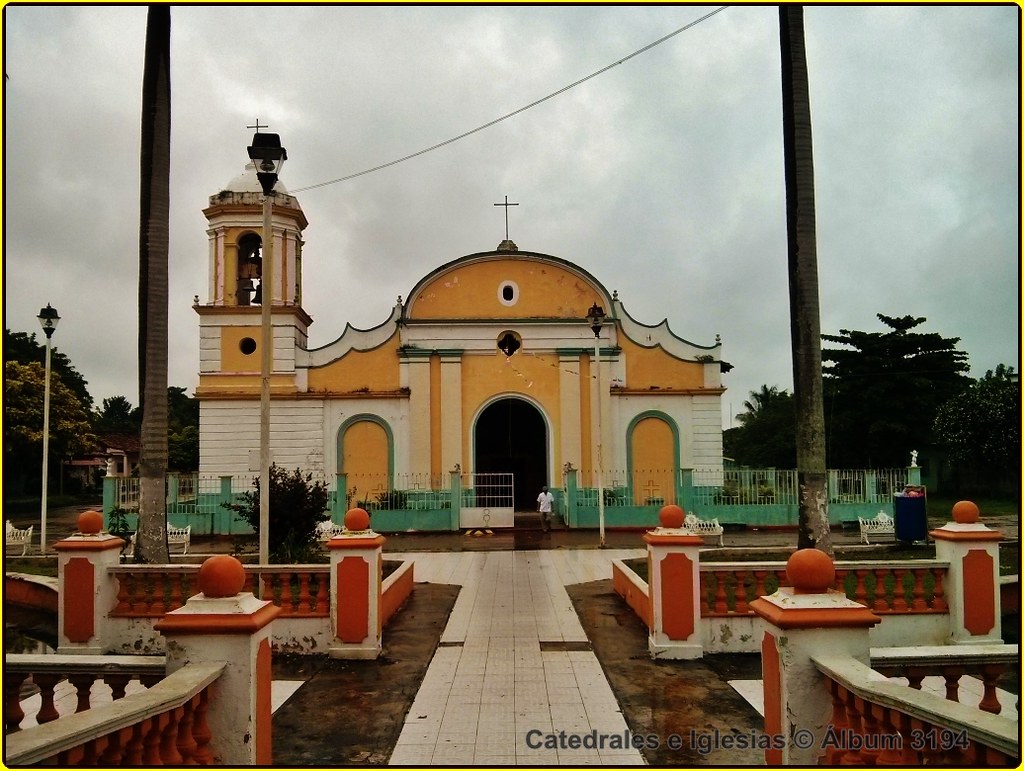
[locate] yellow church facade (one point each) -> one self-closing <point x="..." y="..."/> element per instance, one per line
<point x="487" y="368"/>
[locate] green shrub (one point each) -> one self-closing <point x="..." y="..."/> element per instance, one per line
<point x="297" y="505"/>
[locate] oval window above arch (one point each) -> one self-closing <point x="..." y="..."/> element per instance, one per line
<point x="508" y="293"/>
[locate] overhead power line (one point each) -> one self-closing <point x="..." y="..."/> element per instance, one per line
<point x="512" y="114"/>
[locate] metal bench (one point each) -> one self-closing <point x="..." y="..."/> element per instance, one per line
<point x="880" y="524"/>
<point x="326" y="530"/>
<point x="699" y="526"/>
<point x="16" y="537"/>
<point x="176" y="536"/>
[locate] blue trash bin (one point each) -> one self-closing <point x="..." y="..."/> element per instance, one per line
<point x="910" y="518"/>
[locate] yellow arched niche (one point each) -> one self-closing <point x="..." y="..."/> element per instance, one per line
<point x="653" y="467"/>
<point x="364" y="460"/>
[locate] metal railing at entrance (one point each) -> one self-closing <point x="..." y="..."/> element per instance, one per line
<point x="488" y="500"/>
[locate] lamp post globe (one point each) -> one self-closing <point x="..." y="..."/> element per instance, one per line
<point x="595" y="318"/>
<point x="48" y="320"/>
<point x="268" y="157"/>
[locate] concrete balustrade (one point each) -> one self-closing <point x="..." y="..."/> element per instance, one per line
<point x="108" y="607"/>
<point x="673" y="563"/>
<point x="356" y="564"/>
<point x="952" y="599"/>
<point x="85" y="597"/>
<point x="800" y="620"/>
<point x="972" y="583"/>
<point x="222" y="623"/>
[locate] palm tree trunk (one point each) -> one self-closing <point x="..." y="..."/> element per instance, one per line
<point x="805" y="324"/>
<point x="154" y="198"/>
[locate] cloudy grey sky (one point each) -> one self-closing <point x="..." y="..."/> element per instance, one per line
<point x="663" y="177"/>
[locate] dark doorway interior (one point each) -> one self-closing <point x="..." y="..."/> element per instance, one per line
<point x="511" y="436"/>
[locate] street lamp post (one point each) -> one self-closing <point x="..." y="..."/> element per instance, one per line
<point x="268" y="156"/>
<point x="48" y="319"/>
<point x="595" y="317"/>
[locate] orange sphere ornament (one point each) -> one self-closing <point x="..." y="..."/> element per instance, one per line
<point x="221" y="576"/>
<point x="357" y="519"/>
<point x="671" y="516"/>
<point x="810" y="571"/>
<point x="90" y="522"/>
<point x="966" y="512"/>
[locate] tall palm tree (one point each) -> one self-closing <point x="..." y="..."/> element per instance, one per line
<point x="154" y="199"/>
<point x="805" y="324"/>
<point x="758" y="402"/>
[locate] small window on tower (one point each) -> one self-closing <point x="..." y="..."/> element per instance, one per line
<point x="247" y="346"/>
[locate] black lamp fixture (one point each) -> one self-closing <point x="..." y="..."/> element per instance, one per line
<point x="48" y="319"/>
<point x="595" y="317"/>
<point x="268" y="156"/>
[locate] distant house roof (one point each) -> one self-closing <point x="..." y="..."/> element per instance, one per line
<point x="127" y="443"/>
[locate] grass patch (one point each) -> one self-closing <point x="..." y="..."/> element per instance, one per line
<point x="34" y="567"/>
<point x="25" y="503"/>
<point x="940" y="507"/>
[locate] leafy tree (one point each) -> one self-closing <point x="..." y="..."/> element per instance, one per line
<point x="297" y="504"/>
<point x="883" y="390"/>
<point x="182" y="410"/>
<point x="70" y="432"/>
<point x="117" y="416"/>
<point x="183" y="450"/>
<point x="980" y="429"/>
<point x="766" y="436"/>
<point x="23" y="348"/>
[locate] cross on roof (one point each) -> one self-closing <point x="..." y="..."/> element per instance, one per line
<point x="258" y="126"/>
<point x="506" y="205"/>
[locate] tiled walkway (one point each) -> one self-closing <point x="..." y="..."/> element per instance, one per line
<point x="514" y="681"/>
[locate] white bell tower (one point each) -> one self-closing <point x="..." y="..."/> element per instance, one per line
<point x="229" y="320"/>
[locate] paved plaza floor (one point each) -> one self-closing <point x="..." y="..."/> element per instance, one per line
<point x="514" y="680"/>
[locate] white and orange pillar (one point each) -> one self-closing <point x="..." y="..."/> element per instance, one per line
<point x="356" y="567"/>
<point x="84" y="594"/>
<point x="802" y="620"/>
<point x="673" y="575"/>
<point x="222" y="623"/>
<point x="972" y="581"/>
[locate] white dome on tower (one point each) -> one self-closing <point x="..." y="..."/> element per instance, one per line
<point x="245" y="189"/>
<point x="248" y="182"/>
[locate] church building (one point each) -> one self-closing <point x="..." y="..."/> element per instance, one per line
<point x="488" y="367"/>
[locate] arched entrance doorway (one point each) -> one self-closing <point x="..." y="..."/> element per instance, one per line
<point x="511" y="436"/>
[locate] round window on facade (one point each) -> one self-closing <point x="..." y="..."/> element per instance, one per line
<point x="247" y="346"/>
<point x="509" y="343"/>
<point x="508" y="293"/>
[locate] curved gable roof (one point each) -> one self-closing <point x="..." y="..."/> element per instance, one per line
<point x="471" y="287"/>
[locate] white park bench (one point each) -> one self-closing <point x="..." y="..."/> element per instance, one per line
<point x="880" y="524"/>
<point x="176" y="536"/>
<point x="16" y="536"/>
<point x="326" y="530"/>
<point x="699" y="526"/>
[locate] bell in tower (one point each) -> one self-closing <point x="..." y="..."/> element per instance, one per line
<point x="235" y="217"/>
<point x="250" y="267"/>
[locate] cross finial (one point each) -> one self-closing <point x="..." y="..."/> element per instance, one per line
<point x="506" y="205"/>
<point x="258" y="126"/>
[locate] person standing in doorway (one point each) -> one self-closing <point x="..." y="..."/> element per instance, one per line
<point x="544" y="501"/>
